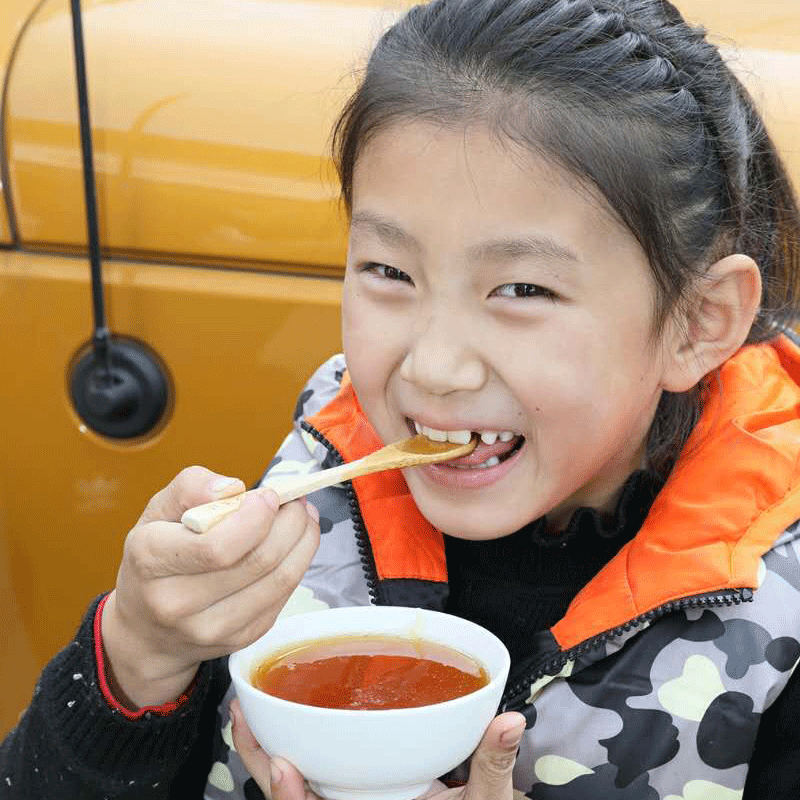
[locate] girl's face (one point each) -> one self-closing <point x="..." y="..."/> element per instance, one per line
<point x="488" y="291"/>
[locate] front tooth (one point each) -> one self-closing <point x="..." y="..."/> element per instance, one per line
<point x="493" y="461"/>
<point x="417" y="427"/>
<point x="489" y="437"/>
<point x="506" y="436"/>
<point x="433" y="434"/>
<point x="459" y="437"/>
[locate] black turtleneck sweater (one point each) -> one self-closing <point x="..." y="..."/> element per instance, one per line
<point x="523" y="583"/>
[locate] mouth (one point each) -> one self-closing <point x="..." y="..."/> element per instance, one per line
<point x="493" y="448"/>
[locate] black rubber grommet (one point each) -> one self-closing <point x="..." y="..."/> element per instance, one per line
<point x="128" y="400"/>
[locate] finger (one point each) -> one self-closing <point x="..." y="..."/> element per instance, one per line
<point x="492" y="763"/>
<point x="287" y="782"/>
<point x="289" y="526"/>
<point x="168" y="548"/>
<point x="189" y="488"/>
<point x="276" y="777"/>
<point x="440" y="792"/>
<point x="253" y="757"/>
<point x="244" y="616"/>
<point x="180" y="596"/>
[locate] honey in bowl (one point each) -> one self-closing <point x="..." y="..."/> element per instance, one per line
<point x="369" y="673"/>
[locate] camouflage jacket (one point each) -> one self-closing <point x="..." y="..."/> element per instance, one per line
<point x="652" y="685"/>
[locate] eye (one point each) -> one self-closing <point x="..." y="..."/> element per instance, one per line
<point x="386" y="272"/>
<point x="514" y="290"/>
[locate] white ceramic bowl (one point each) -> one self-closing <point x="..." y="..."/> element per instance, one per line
<point x="393" y="754"/>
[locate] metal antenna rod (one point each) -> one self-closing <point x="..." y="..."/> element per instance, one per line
<point x="100" y="337"/>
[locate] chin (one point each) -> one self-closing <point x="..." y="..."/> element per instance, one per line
<point x="475" y="526"/>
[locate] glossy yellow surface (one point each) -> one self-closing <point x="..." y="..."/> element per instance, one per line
<point x="761" y="42"/>
<point x="216" y="202"/>
<point x="210" y="135"/>
<point x="765" y="25"/>
<point x="13" y="16"/>
<point x="238" y="346"/>
<point x="5" y="230"/>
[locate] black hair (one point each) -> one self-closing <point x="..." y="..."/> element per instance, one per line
<point x="625" y="95"/>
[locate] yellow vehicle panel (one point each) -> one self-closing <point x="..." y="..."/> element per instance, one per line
<point x="5" y="228"/>
<point x="13" y="16"/>
<point x="219" y="216"/>
<point x="237" y="345"/>
<point x="207" y="150"/>
<point x="765" y="25"/>
<point x="761" y="42"/>
<point x="773" y="78"/>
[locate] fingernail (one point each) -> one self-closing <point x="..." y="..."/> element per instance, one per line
<point x="511" y="737"/>
<point x="276" y="776"/>
<point x="313" y="511"/>
<point x="223" y="486"/>
<point x="271" y="499"/>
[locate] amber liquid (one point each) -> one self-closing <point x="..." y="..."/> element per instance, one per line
<point x="369" y="673"/>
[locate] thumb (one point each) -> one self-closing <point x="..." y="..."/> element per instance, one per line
<point x="191" y="487"/>
<point x="493" y="762"/>
<point x="275" y="777"/>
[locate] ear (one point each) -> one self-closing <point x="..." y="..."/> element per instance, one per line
<point x="716" y="324"/>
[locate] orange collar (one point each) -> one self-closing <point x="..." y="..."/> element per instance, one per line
<point x="735" y="487"/>
<point x="404" y="544"/>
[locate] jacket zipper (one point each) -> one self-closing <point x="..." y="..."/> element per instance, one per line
<point x="362" y="540"/>
<point x="552" y="665"/>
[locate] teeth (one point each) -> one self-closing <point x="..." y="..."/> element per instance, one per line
<point x="462" y="437"/>
<point x="433" y="434"/>
<point x="456" y="437"/>
<point x="492" y="461"/>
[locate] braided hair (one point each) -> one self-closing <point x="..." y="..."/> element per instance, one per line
<point x="626" y="96"/>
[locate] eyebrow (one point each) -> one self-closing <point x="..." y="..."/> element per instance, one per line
<point x="386" y="231"/>
<point x="542" y="248"/>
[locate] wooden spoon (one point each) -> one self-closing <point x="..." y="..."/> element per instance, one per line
<point x="406" y="453"/>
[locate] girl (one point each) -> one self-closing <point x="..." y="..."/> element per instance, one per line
<point x="572" y="236"/>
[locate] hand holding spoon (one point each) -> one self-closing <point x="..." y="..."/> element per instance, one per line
<point x="411" y="452"/>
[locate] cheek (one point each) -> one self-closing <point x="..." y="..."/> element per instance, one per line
<point x="355" y="338"/>
<point x="351" y="333"/>
<point x="575" y="385"/>
<point x="372" y="346"/>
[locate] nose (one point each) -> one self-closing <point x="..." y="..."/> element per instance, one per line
<point x="441" y="358"/>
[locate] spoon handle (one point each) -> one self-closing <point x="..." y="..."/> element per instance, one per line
<point x="289" y="487"/>
<point x="202" y="518"/>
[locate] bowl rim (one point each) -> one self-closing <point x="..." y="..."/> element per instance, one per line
<point x="237" y="662"/>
